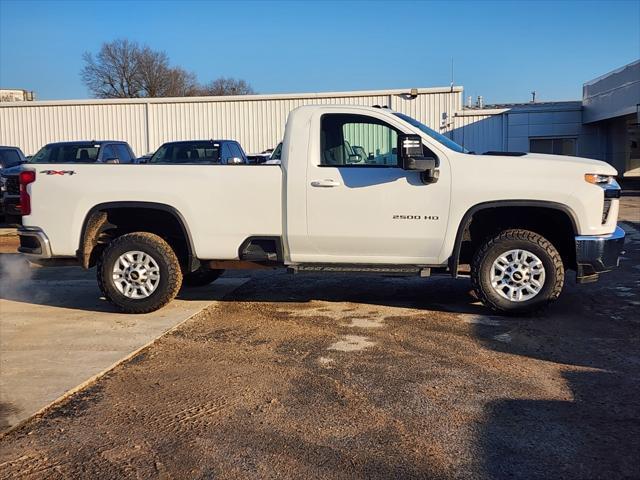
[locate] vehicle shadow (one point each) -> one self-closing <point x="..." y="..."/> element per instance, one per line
<point x="442" y="294"/>
<point x="595" y="435"/>
<point x="594" y="338"/>
<point x="75" y="288"/>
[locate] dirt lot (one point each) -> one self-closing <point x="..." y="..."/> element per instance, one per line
<point x="343" y="377"/>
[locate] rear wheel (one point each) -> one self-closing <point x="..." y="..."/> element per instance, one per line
<point x="517" y="271"/>
<point x="201" y="277"/>
<point x="139" y="272"/>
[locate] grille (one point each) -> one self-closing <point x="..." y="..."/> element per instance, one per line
<point x="13" y="185"/>
<point x="605" y="210"/>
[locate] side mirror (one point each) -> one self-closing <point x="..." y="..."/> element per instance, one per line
<point x="410" y="157"/>
<point x="112" y="160"/>
<point x="235" y="161"/>
<point x="355" y="158"/>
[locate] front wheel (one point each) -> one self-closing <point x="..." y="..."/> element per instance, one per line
<point x="517" y="271"/>
<point x="139" y="272"/>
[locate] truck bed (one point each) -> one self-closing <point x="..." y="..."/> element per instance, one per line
<point x="221" y="204"/>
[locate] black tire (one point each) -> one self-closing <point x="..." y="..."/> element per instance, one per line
<point x="201" y="277"/>
<point x="481" y="270"/>
<point x="169" y="282"/>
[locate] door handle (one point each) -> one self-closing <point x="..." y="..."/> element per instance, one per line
<point x="326" y="183"/>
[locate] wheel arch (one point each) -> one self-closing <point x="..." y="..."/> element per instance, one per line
<point x="467" y="219"/>
<point x="97" y="220"/>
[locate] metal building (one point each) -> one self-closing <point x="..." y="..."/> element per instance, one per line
<point x="256" y="121"/>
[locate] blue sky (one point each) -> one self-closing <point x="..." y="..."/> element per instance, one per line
<point x="501" y="50"/>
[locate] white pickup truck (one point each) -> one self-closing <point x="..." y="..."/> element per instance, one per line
<point x="359" y="189"/>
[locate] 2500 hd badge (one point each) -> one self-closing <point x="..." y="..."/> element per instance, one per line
<point x="416" y="217"/>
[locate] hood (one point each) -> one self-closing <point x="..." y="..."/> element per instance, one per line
<point x="589" y="165"/>
<point x="598" y="165"/>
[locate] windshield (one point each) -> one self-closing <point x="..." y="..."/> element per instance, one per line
<point x="57" y="153"/>
<point x="277" y="153"/>
<point x="187" y="152"/>
<point x="438" y="137"/>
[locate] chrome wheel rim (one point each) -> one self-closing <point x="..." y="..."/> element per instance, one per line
<point x="136" y="274"/>
<point x="517" y="275"/>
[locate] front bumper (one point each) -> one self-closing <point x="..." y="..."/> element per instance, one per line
<point x="596" y="254"/>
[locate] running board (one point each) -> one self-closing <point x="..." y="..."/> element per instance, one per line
<point x="398" y="270"/>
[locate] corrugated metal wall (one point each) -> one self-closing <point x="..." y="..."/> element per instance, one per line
<point x="479" y="132"/>
<point x="31" y="127"/>
<point x="257" y="122"/>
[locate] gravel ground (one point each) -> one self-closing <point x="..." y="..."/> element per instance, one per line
<point x="360" y="377"/>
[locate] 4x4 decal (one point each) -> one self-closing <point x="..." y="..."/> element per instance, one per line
<point x="58" y="172"/>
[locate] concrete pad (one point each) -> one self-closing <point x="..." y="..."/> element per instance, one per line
<point x="56" y="331"/>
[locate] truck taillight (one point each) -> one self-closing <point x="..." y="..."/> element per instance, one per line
<point x="25" y="178"/>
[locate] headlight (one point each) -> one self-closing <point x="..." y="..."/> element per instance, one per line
<point x="598" y="179"/>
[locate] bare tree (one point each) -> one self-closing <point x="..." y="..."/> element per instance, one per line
<point x="158" y="79"/>
<point x="226" y="86"/>
<point x="152" y="70"/>
<point x="124" y="69"/>
<point x="180" y="83"/>
<point x="113" y="73"/>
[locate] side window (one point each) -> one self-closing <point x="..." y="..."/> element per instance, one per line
<point x="108" y="153"/>
<point x="236" y="151"/>
<point x="357" y="140"/>
<point x="123" y="153"/>
<point x="226" y="154"/>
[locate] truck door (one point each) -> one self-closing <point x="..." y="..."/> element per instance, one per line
<point x="362" y="207"/>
